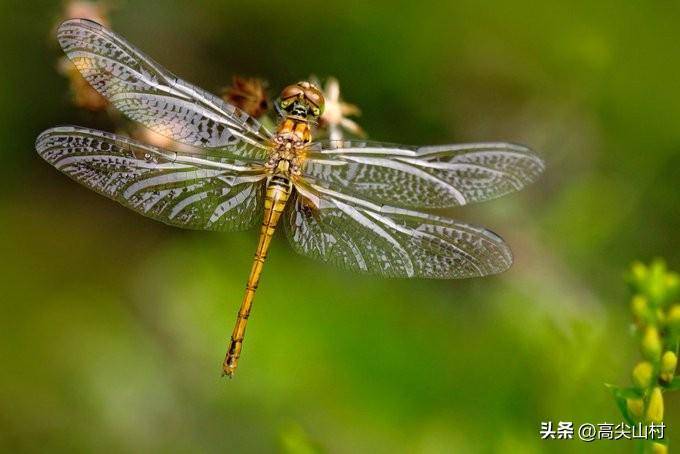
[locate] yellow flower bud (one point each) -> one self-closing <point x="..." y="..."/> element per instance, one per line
<point x="658" y="448"/>
<point x="673" y="318"/>
<point x="651" y="344"/>
<point x="655" y="406"/>
<point x="638" y="306"/>
<point x="656" y="282"/>
<point x="669" y="361"/>
<point x="672" y="282"/>
<point x="635" y="407"/>
<point x="639" y="272"/>
<point x="642" y="374"/>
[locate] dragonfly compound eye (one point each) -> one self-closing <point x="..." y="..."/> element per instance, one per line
<point x="292" y="91"/>
<point x="315" y="98"/>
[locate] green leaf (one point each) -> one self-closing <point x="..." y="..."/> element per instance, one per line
<point x="620" y="396"/>
<point x="630" y="392"/>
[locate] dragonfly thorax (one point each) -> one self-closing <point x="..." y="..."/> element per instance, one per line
<point x="293" y="132"/>
<point x="292" y="137"/>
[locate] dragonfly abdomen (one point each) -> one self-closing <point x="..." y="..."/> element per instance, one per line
<point x="277" y="194"/>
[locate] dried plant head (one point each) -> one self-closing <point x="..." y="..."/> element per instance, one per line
<point x="147" y="136"/>
<point x="82" y="93"/>
<point x="97" y="11"/>
<point x="248" y="94"/>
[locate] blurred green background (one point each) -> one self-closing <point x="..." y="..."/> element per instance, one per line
<point x="113" y="326"/>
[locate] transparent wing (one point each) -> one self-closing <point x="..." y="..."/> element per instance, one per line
<point x="146" y="92"/>
<point x="393" y="242"/>
<point x="421" y="177"/>
<point x="179" y="189"/>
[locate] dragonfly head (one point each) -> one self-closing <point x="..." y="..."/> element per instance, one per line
<point x="302" y="100"/>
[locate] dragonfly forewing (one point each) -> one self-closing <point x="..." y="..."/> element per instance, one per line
<point x="183" y="190"/>
<point x="146" y="92"/>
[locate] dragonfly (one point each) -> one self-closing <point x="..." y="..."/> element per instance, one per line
<point x="363" y="206"/>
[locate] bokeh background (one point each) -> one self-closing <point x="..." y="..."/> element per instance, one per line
<point x="113" y="327"/>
